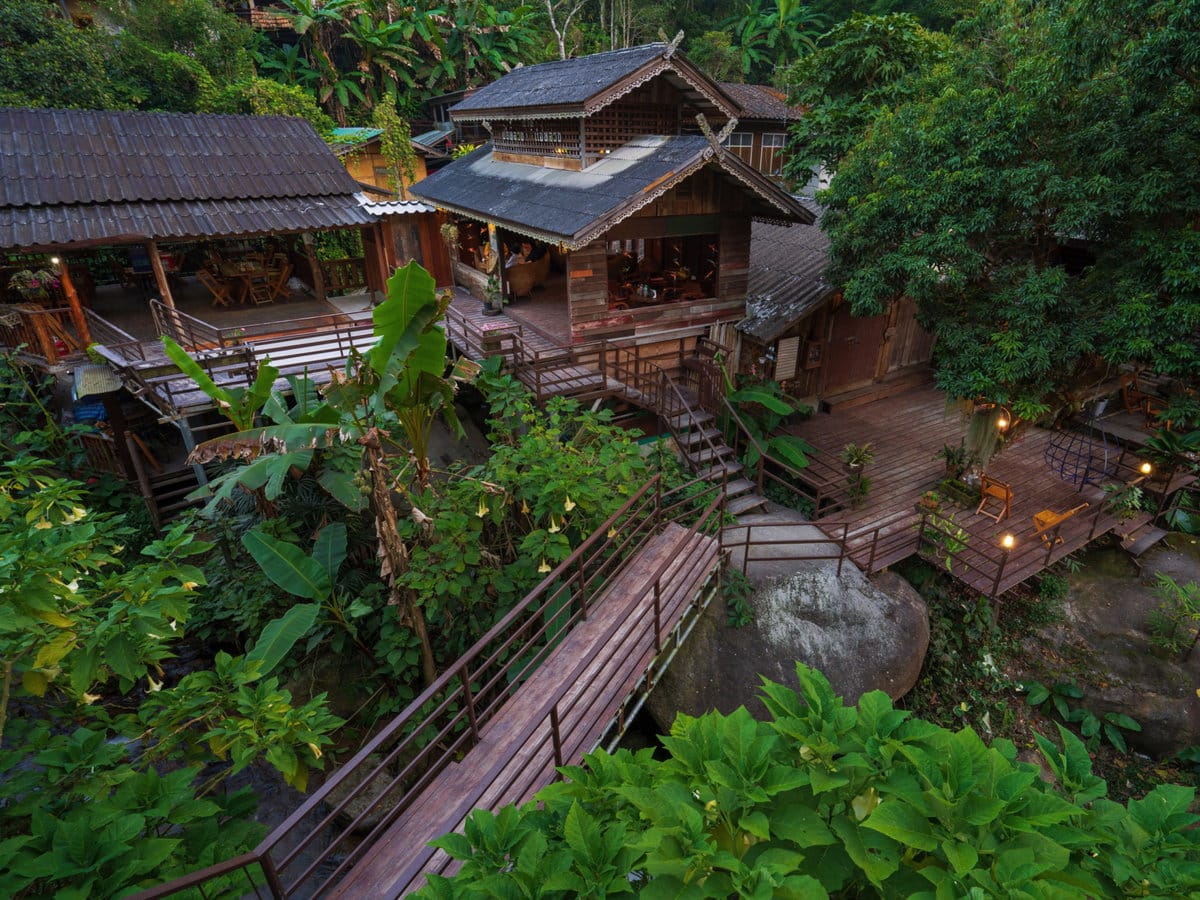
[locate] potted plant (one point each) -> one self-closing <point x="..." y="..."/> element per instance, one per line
<point x="858" y="486"/>
<point x="855" y="456"/>
<point x="493" y="303"/>
<point x="957" y="459"/>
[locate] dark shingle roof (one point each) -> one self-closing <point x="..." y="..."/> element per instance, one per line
<point x="88" y="175"/>
<point x="580" y="86"/>
<point x="787" y="278"/>
<point x="575" y="207"/>
<point x="758" y="101"/>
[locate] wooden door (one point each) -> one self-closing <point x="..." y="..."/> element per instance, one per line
<point x="853" y="350"/>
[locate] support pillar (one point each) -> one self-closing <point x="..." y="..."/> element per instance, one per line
<point x="315" y="265"/>
<point x="160" y="274"/>
<point x="77" y="316"/>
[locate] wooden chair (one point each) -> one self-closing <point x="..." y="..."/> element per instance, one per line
<point x="995" y="492"/>
<point x="1131" y="394"/>
<point x="218" y="288"/>
<point x="1047" y="520"/>
<point x="279" y="279"/>
<point x="521" y="279"/>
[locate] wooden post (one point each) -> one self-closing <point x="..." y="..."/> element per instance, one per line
<point x="318" y="278"/>
<point x="117" y="424"/>
<point x="77" y="316"/>
<point x="160" y="275"/>
<point x="35" y="318"/>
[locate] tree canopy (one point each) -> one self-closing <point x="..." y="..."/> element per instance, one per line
<point x="1042" y="131"/>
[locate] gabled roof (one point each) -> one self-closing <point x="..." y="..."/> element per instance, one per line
<point x="575" y="207"/>
<point x="787" y="278"/>
<point x="572" y="88"/>
<point x="92" y="176"/>
<point x="759" y="101"/>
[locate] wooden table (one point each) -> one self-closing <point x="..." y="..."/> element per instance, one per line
<point x="242" y="276"/>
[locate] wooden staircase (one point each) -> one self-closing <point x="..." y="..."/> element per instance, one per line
<point x="1138" y="534"/>
<point x="710" y="458"/>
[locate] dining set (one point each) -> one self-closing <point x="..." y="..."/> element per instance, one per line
<point x="252" y="278"/>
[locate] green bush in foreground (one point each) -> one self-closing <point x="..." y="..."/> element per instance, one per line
<point x="830" y="799"/>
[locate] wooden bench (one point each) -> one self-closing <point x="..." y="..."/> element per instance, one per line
<point x="993" y="490"/>
<point x="1047" y="520"/>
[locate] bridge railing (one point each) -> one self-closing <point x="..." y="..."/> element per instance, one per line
<point x="315" y="846"/>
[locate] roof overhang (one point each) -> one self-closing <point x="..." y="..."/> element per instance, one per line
<point x="775" y="204"/>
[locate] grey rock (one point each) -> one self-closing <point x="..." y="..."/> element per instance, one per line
<point x="864" y="634"/>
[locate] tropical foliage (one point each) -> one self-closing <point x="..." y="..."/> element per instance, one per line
<point x="824" y="799"/>
<point x="1040" y="128"/>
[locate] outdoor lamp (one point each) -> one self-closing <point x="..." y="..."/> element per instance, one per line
<point x="1008" y="541"/>
<point x="54" y="260"/>
<point x="1145" y="468"/>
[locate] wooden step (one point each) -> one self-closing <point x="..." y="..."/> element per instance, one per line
<point x="1126" y="527"/>
<point x="724" y="470"/>
<point x="698" y="435"/>
<point x="745" y="503"/>
<point x="1138" y="542"/>
<point x="738" y="487"/>
<point x="689" y="420"/>
<point x="710" y="455"/>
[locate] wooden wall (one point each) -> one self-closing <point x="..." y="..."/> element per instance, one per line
<point x="703" y="204"/>
<point x="362" y="163"/>
<point x="910" y="344"/>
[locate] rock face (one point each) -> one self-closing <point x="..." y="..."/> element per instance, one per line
<point x="1107" y="613"/>
<point x="863" y="634"/>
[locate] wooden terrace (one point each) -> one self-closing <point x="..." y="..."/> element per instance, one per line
<point x="907" y="431"/>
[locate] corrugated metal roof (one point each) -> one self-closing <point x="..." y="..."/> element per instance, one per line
<point x="395" y="207"/>
<point x="570" y="206"/>
<point x="73" y="175"/>
<point x="787" y="278"/>
<point x="559" y="82"/>
<point x="759" y="101"/>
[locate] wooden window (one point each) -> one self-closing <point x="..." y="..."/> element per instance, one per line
<point x="787" y="357"/>
<point x="741" y="144"/>
<point x="771" y="162"/>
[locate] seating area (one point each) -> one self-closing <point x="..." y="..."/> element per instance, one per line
<point x="249" y="278"/>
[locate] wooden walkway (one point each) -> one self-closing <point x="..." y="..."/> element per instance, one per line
<point x="587" y="678"/>
<point x="907" y="431"/>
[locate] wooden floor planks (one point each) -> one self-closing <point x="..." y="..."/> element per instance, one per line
<point x="601" y="673"/>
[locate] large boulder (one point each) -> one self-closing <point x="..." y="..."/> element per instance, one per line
<point x="1107" y="614"/>
<point x="864" y="634"/>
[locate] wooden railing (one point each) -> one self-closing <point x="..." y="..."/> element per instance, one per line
<point x="192" y="334"/>
<point x="117" y="341"/>
<point x="821" y="482"/>
<point x="344" y="276"/>
<point x="310" y="851"/>
<point x="47" y="336"/>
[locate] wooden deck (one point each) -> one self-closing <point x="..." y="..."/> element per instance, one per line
<point x="907" y="431"/>
<point x="588" y="676"/>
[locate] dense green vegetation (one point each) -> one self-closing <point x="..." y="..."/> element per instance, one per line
<point x="824" y="799"/>
<point x="1022" y="182"/>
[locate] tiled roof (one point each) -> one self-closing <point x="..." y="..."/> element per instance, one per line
<point x="787" y="278"/>
<point x="581" y="86"/>
<point x="575" y="207"/>
<point x="560" y="82"/>
<point x="395" y="207"/>
<point x="758" y="101"/>
<point x="88" y="175"/>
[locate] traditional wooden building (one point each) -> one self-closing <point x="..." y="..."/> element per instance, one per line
<point x="613" y="166"/>
<point x="360" y="149"/>
<point x="798" y="331"/>
<point x="760" y="137"/>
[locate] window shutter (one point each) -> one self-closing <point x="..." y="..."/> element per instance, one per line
<point x="787" y="356"/>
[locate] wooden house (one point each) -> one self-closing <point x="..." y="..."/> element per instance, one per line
<point x="614" y="167"/>
<point x="760" y="137"/>
<point x="359" y="149"/>
<point x="798" y="331"/>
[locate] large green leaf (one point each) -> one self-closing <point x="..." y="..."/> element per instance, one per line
<point x="411" y="290"/>
<point x="280" y="635"/>
<point x="287" y="566"/>
<point x="330" y="548"/>
<point x="763" y="398"/>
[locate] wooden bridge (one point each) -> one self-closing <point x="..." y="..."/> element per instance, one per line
<point x="559" y="675"/>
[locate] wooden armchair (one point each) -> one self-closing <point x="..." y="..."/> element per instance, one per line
<point x="1046" y="522"/>
<point x="522" y="279"/>
<point x="278" y="280"/>
<point x="998" y="493"/>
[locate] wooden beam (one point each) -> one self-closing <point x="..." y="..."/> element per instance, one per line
<point x="160" y="274"/>
<point x="314" y="265"/>
<point x="77" y="316"/>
